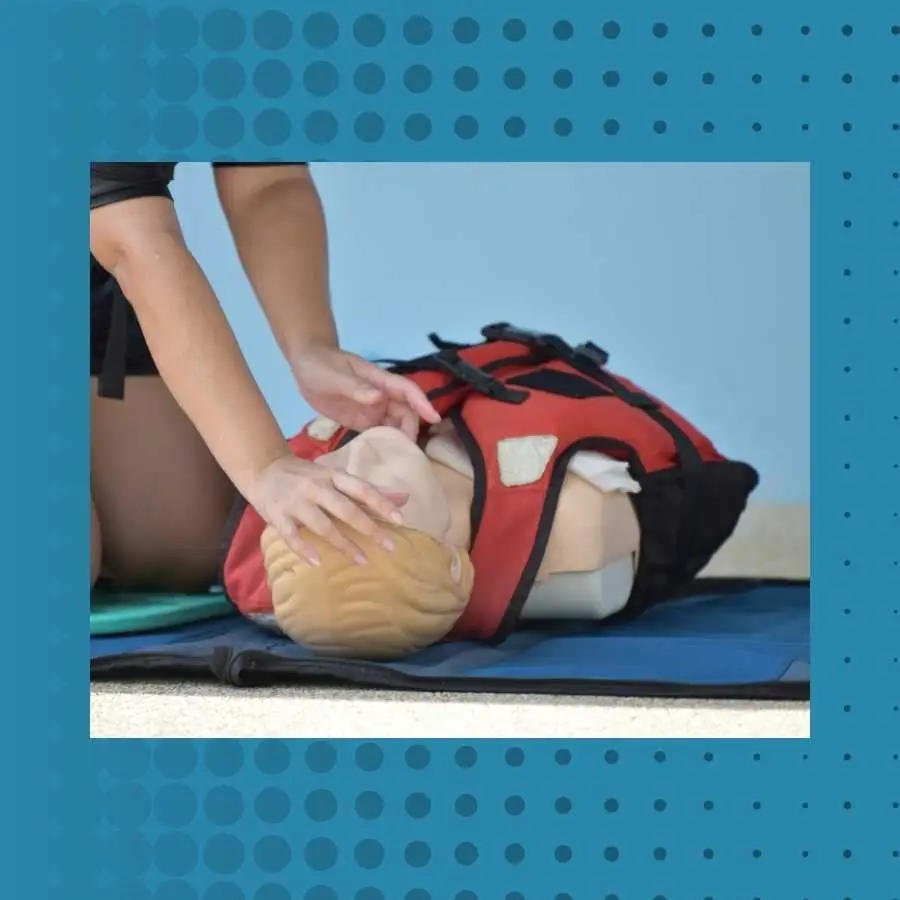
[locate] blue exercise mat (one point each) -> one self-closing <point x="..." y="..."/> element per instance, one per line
<point x="745" y="639"/>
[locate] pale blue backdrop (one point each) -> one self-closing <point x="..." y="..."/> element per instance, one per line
<point x="694" y="278"/>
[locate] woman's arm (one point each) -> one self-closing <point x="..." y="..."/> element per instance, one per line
<point x="278" y="224"/>
<point x="276" y="217"/>
<point x="140" y="243"/>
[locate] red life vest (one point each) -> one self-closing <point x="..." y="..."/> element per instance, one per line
<point x="518" y="384"/>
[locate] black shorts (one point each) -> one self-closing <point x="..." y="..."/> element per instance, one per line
<point x="118" y="348"/>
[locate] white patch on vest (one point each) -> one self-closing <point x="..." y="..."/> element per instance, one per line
<point x="601" y="471"/>
<point x="524" y="460"/>
<point x="322" y="429"/>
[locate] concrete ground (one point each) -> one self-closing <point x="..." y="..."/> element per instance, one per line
<point x="771" y="541"/>
<point x="173" y="710"/>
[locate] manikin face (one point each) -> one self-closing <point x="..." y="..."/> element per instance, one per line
<point x="390" y="461"/>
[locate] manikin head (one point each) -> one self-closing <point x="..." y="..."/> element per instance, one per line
<point x="398" y="602"/>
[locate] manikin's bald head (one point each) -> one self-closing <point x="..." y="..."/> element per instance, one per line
<point x="399" y="601"/>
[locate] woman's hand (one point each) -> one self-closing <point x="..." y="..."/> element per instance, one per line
<point x="358" y="394"/>
<point x="290" y="493"/>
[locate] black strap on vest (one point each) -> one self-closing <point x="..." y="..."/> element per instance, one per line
<point x="478" y="379"/>
<point x="111" y="381"/>
<point x="591" y="360"/>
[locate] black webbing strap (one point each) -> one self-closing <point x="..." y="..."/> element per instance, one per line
<point x="111" y="381"/>
<point x="591" y="360"/>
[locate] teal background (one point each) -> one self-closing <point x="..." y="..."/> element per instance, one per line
<point x="694" y="278"/>
<point x="386" y="819"/>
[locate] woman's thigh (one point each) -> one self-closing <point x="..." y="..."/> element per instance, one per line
<point x="161" y="499"/>
<point x="96" y="546"/>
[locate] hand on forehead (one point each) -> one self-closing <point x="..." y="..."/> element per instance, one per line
<point x="390" y="461"/>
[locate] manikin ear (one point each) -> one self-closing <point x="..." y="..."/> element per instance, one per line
<point x="456" y="569"/>
<point x="461" y="572"/>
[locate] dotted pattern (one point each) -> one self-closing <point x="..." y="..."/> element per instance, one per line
<point x="219" y="84"/>
<point x="269" y="820"/>
<point x="228" y="819"/>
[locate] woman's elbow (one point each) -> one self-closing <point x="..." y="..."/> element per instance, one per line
<point x="134" y="234"/>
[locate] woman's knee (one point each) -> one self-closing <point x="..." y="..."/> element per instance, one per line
<point x="182" y="561"/>
<point x="162" y="500"/>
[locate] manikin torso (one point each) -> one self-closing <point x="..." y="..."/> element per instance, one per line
<point x="588" y="567"/>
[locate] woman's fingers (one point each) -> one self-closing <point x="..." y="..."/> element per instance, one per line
<point x="319" y="500"/>
<point x="406" y="392"/>
<point x="290" y="534"/>
<point x="400" y="416"/>
<point x="341" y="507"/>
<point x="416" y="399"/>
<point x="320" y="523"/>
<point x="367" y="495"/>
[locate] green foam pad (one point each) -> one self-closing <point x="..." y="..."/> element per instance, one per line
<point x="114" y="612"/>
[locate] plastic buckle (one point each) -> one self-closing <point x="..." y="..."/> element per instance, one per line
<point x="594" y="354"/>
<point x="438" y="342"/>
<point x="548" y="345"/>
<point x="478" y="379"/>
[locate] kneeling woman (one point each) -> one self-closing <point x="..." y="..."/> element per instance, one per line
<point x="177" y="421"/>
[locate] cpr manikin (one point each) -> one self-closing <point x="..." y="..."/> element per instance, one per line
<point x="553" y="489"/>
<point x="404" y="600"/>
